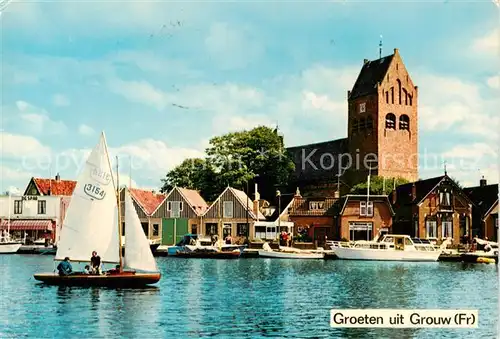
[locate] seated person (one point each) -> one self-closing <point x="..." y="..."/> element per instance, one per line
<point x="115" y="270"/>
<point x="87" y="269"/>
<point x="65" y="267"/>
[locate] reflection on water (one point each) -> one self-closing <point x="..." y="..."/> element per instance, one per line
<point x="243" y="298"/>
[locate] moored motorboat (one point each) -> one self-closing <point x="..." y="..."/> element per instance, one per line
<point x="93" y="223"/>
<point x="201" y="254"/>
<point x="9" y="247"/>
<point x="392" y="247"/>
<point x="289" y="253"/>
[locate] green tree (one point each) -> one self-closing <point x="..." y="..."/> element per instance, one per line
<point x="377" y="185"/>
<point x="233" y="160"/>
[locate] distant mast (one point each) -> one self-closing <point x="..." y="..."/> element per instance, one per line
<point x="380" y="48"/>
<point x="119" y="215"/>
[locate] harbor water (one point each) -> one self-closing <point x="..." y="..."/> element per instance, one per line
<point x="245" y="298"/>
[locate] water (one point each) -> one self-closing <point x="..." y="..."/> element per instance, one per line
<point x="246" y="298"/>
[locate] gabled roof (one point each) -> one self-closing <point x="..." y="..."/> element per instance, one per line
<point x="371" y="73"/>
<point x="55" y="186"/>
<point x="242" y="198"/>
<point x="148" y="201"/>
<point x="305" y="172"/>
<point x="193" y="198"/>
<point x="351" y="197"/>
<point x="484" y="197"/>
<point x="423" y="188"/>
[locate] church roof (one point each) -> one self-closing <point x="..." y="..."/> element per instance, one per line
<point x="309" y="164"/>
<point x="371" y="73"/>
<point x="484" y="197"/>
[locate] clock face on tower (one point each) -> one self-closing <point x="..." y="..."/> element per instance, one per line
<point x="362" y="107"/>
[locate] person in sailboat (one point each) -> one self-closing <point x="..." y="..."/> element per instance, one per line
<point x="95" y="262"/>
<point x="113" y="271"/>
<point x="87" y="269"/>
<point x="65" y="267"/>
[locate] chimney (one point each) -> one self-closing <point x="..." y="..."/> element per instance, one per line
<point x="297" y="193"/>
<point x="58" y="177"/>
<point x="483" y="182"/>
<point x="413" y="192"/>
<point x="336" y="194"/>
<point x="348" y="94"/>
<point x="396" y="51"/>
<point x="365" y="61"/>
<point x="394" y="197"/>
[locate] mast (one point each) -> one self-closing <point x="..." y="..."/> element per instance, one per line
<point x="117" y="199"/>
<point x="119" y="215"/>
<point x="8" y="220"/>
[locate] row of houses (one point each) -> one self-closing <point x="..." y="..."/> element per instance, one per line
<point x="434" y="208"/>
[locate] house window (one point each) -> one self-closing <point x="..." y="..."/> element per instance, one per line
<point x="260" y="232"/>
<point x="390" y="121"/>
<point x="362" y="208"/>
<point x="404" y="122"/>
<point x="316" y="205"/>
<point x="362" y="107"/>
<point x="242" y="230"/>
<point x="227" y="209"/>
<point x="18" y="206"/>
<point x="175" y="208"/>
<point x="211" y="229"/>
<point x="355" y="125"/>
<point x="194" y="229"/>
<point x="42" y="207"/>
<point x="226" y="230"/>
<point x="445" y="199"/>
<point x="369" y="209"/>
<point x="145" y="228"/>
<point x="156" y="230"/>
<point x="447" y="227"/>
<point x="369" y="123"/>
<point x="430" y="229"/>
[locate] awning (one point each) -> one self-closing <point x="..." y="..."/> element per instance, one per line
<point x="27" y="225"/>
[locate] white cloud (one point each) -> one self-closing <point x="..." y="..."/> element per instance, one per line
<point x="232" y="46"/>
<point x="37" y="121"/>
<point x="85" y="130"/>
<point x="19" y="146"/>
<point x="139" y="92"/>
<point x="494" y="82"/>
<point x="489" y="43"/>
<point x="60" y="100"/>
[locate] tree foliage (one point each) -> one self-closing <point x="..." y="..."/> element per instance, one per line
<point x="377" y="185"/>
<point x="236" y="159"/>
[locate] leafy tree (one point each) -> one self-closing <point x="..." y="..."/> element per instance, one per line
<point x="377" y="185"/>
<point x="235" y="159"/>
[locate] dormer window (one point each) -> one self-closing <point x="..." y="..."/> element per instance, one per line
<point x="316" y="205"/>
<point x="366" y="208"/>
<point x="445" y="199"/>
<point x="362" y="107"/>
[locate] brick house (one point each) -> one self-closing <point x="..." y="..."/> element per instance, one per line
<point x="314" y="214"/>
<point x="434" y="208"/>
<point x="382" y="123"/>
<point x="485" y="210"/>
<point x="361" y="217"/>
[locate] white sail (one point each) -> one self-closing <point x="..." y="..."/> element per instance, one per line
<point x="138" y="255"/>
<point x="91" y="221"/>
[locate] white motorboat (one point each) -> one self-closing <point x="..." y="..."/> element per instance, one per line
<point x="392" y="247"/>
<point x="8" y="245"/>
<point x="289" y="253"/>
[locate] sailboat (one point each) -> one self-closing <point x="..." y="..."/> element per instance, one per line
<point x="92" y="223"/>
<point x="7" y="245"/>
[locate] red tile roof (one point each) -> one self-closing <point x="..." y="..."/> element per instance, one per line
<point x="194" y="199"/>
<point x="148" y="200"/>
<point x="56" y="187"/>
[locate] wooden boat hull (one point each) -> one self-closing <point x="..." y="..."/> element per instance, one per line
<point x="126" y="279"/>
<point x="208" y="255"/>
<point x="290" y="255"/>
<point x="9" y="247"/>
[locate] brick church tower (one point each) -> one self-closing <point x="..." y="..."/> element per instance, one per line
<point x="383" y="121"/>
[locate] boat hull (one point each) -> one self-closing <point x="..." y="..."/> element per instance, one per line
<point x="285" y="255"/>
<point x="208" y="255"/>
<point x="116" y="280"/>
<point x="9" y="248"/>
<point x="385" y="255"/>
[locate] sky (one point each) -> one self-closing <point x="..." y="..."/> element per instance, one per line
<point x="162" y="78"/>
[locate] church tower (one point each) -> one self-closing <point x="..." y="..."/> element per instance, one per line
<point x="383" y="121"/>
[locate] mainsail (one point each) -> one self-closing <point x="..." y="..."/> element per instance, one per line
<point x="138" y="255"/>
<point x="91" y="221"/>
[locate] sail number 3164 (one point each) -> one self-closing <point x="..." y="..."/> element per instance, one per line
<point x="94" y="191"/>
